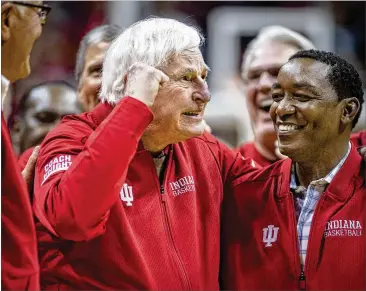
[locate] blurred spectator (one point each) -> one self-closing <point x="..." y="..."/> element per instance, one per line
<point x="89" y="62"/>
<point x="262" y="60"/>
<point x="40" y="109"/>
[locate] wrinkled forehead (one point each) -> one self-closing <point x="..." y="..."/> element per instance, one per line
<point x="192" y="60"/>
<point x="268" y="54"/>
<point x="96" y="50"/>
<point x="304" y="70"/>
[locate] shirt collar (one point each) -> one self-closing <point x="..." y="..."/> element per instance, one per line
<point x="4" y="88"/>
<point x="328" y="178"/>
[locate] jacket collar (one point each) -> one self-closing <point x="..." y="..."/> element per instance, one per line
<point x="5" y="83"/>
<point x="347" y="178"/>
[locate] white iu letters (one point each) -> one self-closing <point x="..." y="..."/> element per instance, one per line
<point x="126" y="194"/>
<point x="270" y="235"/>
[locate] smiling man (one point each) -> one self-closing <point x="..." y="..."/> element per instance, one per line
<point x="89" y="62"/>
<point x="262" y="60"/>
<point x="305" y="214"/>
<point x="128" y="196"/>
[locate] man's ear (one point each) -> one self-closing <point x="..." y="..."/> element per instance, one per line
<point x="5" y="29"/>
<point x="350" y="110"/>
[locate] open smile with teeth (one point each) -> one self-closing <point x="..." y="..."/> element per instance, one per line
<point x="191" y="113"/>
<point x="287" y="128"/>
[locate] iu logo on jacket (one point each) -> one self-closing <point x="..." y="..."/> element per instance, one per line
<point x="126" y="194"/>
<point x="270" y="234"/>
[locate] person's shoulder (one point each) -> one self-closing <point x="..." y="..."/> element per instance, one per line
<point x="268" y="173"/>
<point x="75" y="125"/>
<point x="206" y="137"/>
<point x="208" y="142"/>
<point x="245" y="147"/>
<point x="70" y="134"/>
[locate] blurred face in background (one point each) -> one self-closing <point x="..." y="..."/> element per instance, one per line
<point x="259" y="75"/>
<point x="20" y="27"/>
<point x="90" y="80"/>
<point x="44" y="108"/>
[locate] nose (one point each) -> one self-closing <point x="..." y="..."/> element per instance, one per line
<point x="285" y="109"/>
<point x="202" y="96"/>
<point x="265" y="82"/>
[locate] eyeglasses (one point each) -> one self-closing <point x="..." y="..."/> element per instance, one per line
<point x="42" y="12"/>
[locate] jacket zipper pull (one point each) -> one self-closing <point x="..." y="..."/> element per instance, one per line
<point x="163" y="195"/>
<point x="302" y="281"/>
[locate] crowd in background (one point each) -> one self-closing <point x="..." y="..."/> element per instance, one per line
<point x="53" y="57"/>
<point x="80" y="60"/>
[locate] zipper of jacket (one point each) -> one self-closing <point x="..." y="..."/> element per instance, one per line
<point x="179" y="261"/>
<point x="302" y="277"/>
<point x="163" y="197"/>
<point x="311" y="234"/>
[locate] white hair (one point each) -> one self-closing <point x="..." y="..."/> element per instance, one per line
<point x="278" y="34"/>
<point x="152" y="41"/>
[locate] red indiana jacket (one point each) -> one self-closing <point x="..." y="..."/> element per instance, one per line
<point x="254" y="258"/>
<point x="19" y="259"/>
<point x="106" y="222"/>
<point x="359" y="138"/>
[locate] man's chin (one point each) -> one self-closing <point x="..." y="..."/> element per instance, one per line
<point x="24" y="71"/>
<point x="290" y="150"/>
<point x="193" y="132"/>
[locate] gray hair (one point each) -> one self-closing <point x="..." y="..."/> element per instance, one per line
<point x="274" y="33"/>
<point x="151" y="41"/>
<point x="102" y="33"/>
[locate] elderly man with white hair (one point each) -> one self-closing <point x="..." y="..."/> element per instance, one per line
<point x="128" y="196"/>
<point x="262" y="60"/>
<point x="21" y="25"/>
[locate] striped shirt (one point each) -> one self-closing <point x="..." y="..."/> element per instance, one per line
<point x="306" y="201"/>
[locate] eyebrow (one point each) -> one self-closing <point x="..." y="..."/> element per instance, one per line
<point x="95" y="65"/>
<point x="302" y="85"/>
<point x="190" y="71"/>
<point x="299" y="85"/>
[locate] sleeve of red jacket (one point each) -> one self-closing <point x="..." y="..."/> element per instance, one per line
<point x="19" y="258"/>
<point x="234" y="165"/>
<point x="73" y="201"/>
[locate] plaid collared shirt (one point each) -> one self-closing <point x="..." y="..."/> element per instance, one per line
<point x="306" y="201"/>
